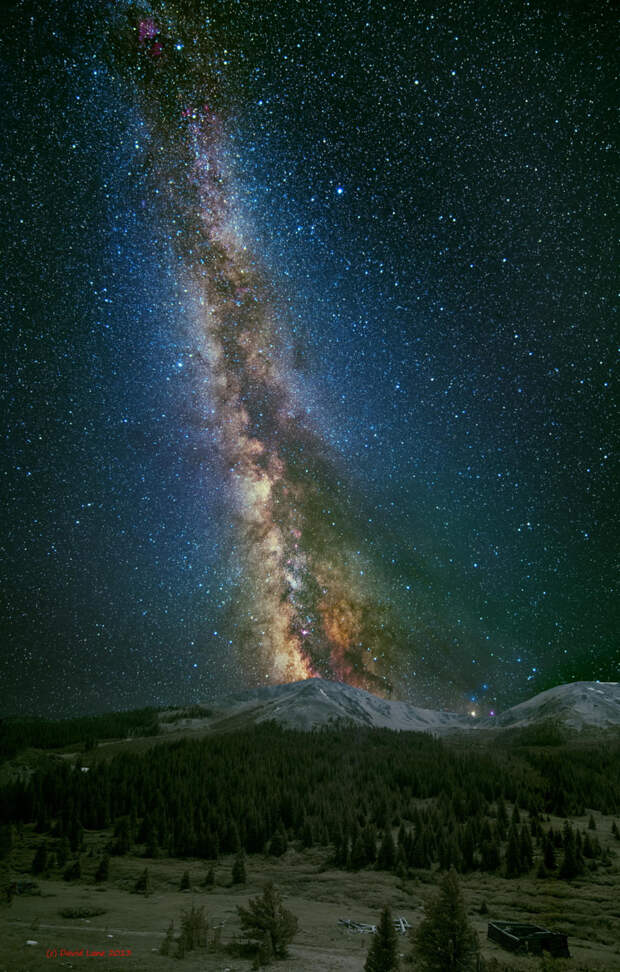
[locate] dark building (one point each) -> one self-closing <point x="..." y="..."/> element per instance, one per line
<point x="528" y="939"/>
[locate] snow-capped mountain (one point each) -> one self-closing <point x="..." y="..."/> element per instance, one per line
<point x="317" y="702"/>
<point x="576" y="704"/>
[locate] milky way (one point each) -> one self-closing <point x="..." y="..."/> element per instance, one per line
<point x="309" y="604"/>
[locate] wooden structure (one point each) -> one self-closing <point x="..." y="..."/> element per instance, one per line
<point x="401" y="925"/>
<point x="528" y="939"/>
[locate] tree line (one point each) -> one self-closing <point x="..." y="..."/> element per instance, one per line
<point x="371" y="798"/>
<point x="24" y="732"/>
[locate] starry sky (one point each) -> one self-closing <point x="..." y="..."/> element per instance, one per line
<point x="308" y="341"/>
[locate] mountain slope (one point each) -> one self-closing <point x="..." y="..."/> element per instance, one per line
<point x="576" y="704"/>
<point x="318" y="702"/>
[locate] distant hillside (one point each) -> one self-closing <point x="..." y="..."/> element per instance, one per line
<point x="314" y="702"/>
<point x="575" y="705"/>
<point x="318" y="702"/>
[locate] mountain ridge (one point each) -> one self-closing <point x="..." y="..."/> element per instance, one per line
<point x="316" y="702"/>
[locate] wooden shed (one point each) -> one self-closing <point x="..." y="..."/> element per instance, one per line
<point x="528" y="939"/>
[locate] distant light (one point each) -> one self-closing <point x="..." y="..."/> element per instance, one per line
<point x="473" y="713"/>
<point x="492" y="712"/>
<point x="340" y="190"/>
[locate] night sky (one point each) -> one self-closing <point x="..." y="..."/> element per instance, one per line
<point x="308" y="338"/>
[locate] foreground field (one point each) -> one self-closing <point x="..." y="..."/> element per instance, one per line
<point x="133" y="925"/>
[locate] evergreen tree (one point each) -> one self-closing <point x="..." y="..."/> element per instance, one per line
<point x="445" y="941"/>
<point x="103" y="871"/>
<point x="570" y="866"/>
<point x="278" y="844"/>
<point x="357" y="857"/>
<point x="74" y="871"/>
<point x="238" y="869"/>
<point x="76" y="835"/>
<point x="6" y="840"/>
<point x="39" y="863"/>
<point x="209" y="880"/>
<point x="167" y="943"/>
<point x="513" y="854"/>
<point x="467" y="847"/>
<point x="383" y="951"/>
<point x="143" y="883"/>
<point x="387" y="852"/>
<point x="122" y="832"/>
<point x="369" y="839"/>
<point x="307" y="839"/>
<point x="588" y="847"/>
<point x="527" y="851"/>
<point x="491" y="857"/>
<point x="502" y="818"/>
<point x="62" y="851"/>
<point x="267" y="916"/>
<point x="194" y="928"/>
<point x="549" y="853"/>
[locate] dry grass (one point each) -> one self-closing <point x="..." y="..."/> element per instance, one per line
<point x="587" y="910"/>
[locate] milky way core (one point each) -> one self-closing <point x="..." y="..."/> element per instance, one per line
<point x="308" y="603"/>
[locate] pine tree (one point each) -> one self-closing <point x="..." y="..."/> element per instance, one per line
<point x="167" y="943"/>
<point x="103" y="871"/>
<point x="357" y="858"/>
<point x="39" y="863"/>
<point x="238" y="869"/>
<point x="527" y="851"/>
<point x="307" y="839"/>
<point x="369" y="840"/>
<point x="143" y="884"/>
<point x="194" y="928"/>
<point x="278" y="844"/>
<point x="74" y="871"/>
<point x="549" y="853"/>
<point x="513" y="853"/>
<point x="62" y="851"/>
<point x="122" y="832"/>
<point x="267" y="916"/>
<point x="445" y="941"/>
<point x="383" y="951"/>
<point x="490" y="855"/>
<point x="6" y="840"/>
<point x="570" y="866"/>
<point x="209" y="880"/>
<point x="467" y="847"/>
<point x="502" y="818"/>
<point x="387" y="852"/>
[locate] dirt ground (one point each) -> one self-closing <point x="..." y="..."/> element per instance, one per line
<point x="127" y="935"/>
